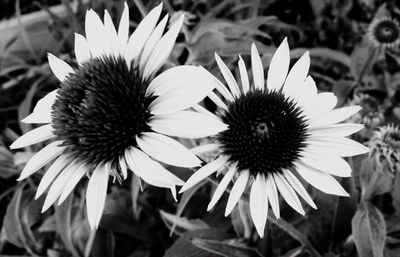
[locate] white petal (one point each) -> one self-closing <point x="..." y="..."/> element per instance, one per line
<point x="58" y="185"/>
<point x="205" y="148"/>
<point x="162" y="50"/>
<point x="222" y="186"/>
<point x="334" y="116"/>
<point x="42" y="111"/>
<point x="258" y="69"/>
<point x="227" y="74"/>
<point x="337" y="130"/>
<point x="327" y="163"/>
<point x="297" y="74"/>
<point x="307" y="92"/>
<point x="175" y="93"/>
<point x="82" y="52"/>
<point x="272" y="194"/>
<point x="243" y="75"/>
<point x="259" y="204"/>
<point x="298" y="187"/>
<point x="152" y="42"/>
<point x="124" y="168"/>
<point x="149" y="170"/>
<point x="73" y="180"/>
<point x="279" y="66"/>
<point x="223" y="90"/>
<point x="320" y="180"/>
<point x="204" y="172"/>
<point x="236" y="192"/>
<point x="201" y="109"/>
<point x="322" y="103"/>
<point x="57" y="166"/>
<point x="187" y="124"/>
<point x="34" y="136"/>
<point x="123" y="29"/>
<point x="60" y="68"/>
<point x="139" y="37"/>
<point x="94" y="29"/>
<point x="41" y="158"/>
<point x="217" y="101"/>
<point x="96" y="195"/>
<point x="111" y="43"/>
<point x="167" y="150"/>
<point x="341" y="147"/>
<point x="288" y="193"/>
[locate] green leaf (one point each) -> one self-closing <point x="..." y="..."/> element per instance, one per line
<point x="184" y="248"/>
<point x="226" y="248"/>
<point x="363" y="57"/>
<point x="182" y="223"/>
<point x="7" y="167"/>
<point x="369" y="230"/>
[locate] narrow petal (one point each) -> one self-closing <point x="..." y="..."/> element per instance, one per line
<point x="124" y="168"/>
<point x="139" y="37"/>
<point x="322" y="103"/>
<point x="162" y="50"/>
<point x="334" y="116"/>
<point x="94" y="29"/>
<point x="244" y="76"/>
<point x="320" y="180"/>
<point x="258" y="69"/>
<point x="223" y="90"/>
<point x="279" y="66"/>
<point x="223" y="184"/>
<point x="297" y="74"/>
<point x="41" y="158"/>
<point x="55" y="169"/>
<point x="288" y="193"/>
<point x="341" y="147"/>
<point x="60" y="68"/>
<point x="187" y="124"/>
<point x="227" y="74"/>
<point x="205" y="148"/>
<point x="337" y="130"/>
<point x="298" y="187"/>
<point x="96" y="195"/>
<point x="204" y="172"/>
<point x="259" y="204"/>
<point x="111" y="43"/>
<point x="236" y="192"/>
<point x="73" y="180"/>
<point x="217" y="101"/>
<point x="149" y="170"/>
<point x="34" y="136"/>
<point x="272" y="194"/>
<point x="42" y="111"/>
<point x="123" y="29"/>
<point x="331" y="164"/>
<point x="82" y="52"/>
<point x="167" y="150"/>
<point x="152" y="42"/>
<point x="201" y="109"/>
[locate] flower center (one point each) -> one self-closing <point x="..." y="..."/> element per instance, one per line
<point x="386" y="31"/>
<point x="99" y="110"/>
<point x="266" y="132"/>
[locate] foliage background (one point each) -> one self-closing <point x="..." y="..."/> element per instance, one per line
<point x="151" y="223"/>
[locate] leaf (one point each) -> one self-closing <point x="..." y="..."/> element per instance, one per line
<point x="7" y="167"/>
<point x="104" y="244"/>
<point x="182" y="222"/>
<point x="184" y="248"/>
<point x="369" y="230"/>
<point x="226" y="248"/>
<point x="342" y="89"/>
<point x="241" y="219"/>
<point x="362" y="59"/>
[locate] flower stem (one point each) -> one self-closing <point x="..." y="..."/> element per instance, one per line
<point x="142" y="9"/>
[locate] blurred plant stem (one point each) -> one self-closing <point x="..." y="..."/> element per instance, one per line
<point x="366" y="65"/>
<point x="142" y="9"/>
<point x="282" y="224"/>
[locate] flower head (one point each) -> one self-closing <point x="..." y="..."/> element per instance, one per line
<point x="112" y="113"/>
<point x="276" y="130"/>
<point x="384" y="32"/>
<point x="372" y="112"/>
<point x="385" y="146"/>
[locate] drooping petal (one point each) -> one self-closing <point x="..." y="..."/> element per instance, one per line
<point x="258" y="69"/>
<point x="55" y="169"/>
<point x="41" y="158"/>
<point x="320" y="180"/>
<point x="82" y="52"/>
<point x="331" y="164"/>
<point x="96" y="195"/>
<point x="94" y="29"/>
<point x="205" y="148"/>
<point x="227" y="74"/>
<point x="288" y="193"/>
<point x="297" y="74"/>
<point x="187" y="124"/>
<point x="124" y="168"/>
<point x="236" y="192"/>
<point x="298" y="187"/>
<point x="167" y="150"/>
<point x="204" y="172"/>
<point x="338" y="146"/>
<point x="223" y="184"/>
<point x="73" y="180"/>
<point x="139" y="37"/>
<point x="42" y="111"/>
<point x="279" y="66"/>
<point x="259" y="204"/>
<point x="243" y="75"/>
<point x="334" y="116"/>
<point x="217" y="101"/>
<point x="272" y="194"/>
<point x="34" y="136"/>
<point x="60" y="68"/>
<point x="337" y="130"/>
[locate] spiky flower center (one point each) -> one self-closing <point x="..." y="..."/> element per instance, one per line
<point x="99" y="110"/>
<point x="386" y="31"/>
<point x="266" y="133"/>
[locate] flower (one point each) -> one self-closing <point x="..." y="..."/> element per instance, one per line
<point x="385" y="146"/>
<point x="372" y="112"/>
<point x="384" y="32"/>
<point x="112" y="112"/>
<point x="274" y="131"/>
